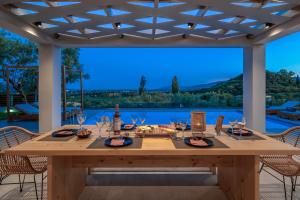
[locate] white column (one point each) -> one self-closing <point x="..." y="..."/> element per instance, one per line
<point x="254" y="87"/>
<point x="49" y="87"/>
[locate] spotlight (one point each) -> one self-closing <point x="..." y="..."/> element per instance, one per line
<point x="250" y="36"/>
<point x="191" y="26"/>
<point x="56" y="36"/>
<point x="118" y="25"/>
<point x="38" y="24"/>
<point x="268" y="25"/>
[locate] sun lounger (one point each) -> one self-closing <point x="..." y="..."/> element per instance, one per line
<point x="292" y="115"/>
<point x="272" y="110"/>
<point x="28" y="112"/>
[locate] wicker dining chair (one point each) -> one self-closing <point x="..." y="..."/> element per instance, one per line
<point x="285" y="165"/>
<point x="20" y="165"/>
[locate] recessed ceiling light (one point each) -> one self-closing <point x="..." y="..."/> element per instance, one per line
<point x="118" y="25"/>
<point x="191" y="26"/>
<point x="38" y="24"/>
<point x="268" y="25"/>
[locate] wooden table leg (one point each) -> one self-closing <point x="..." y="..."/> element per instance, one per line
<point x="240" y="182"/>
<point x="64" y="182"/>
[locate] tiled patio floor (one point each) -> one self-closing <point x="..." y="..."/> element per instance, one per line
<point x="115" y="187"/>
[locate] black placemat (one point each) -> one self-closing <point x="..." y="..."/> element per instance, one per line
<point x="179" y="144"/>
<point x="50" y="138"/>
<point x="99" y="144"/>
<point x="250" y="137"/>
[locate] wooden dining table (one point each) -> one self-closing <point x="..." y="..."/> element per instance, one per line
<point x="237" y="163"/>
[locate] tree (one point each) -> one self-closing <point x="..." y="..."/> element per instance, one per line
<point x="175" y="85"/>
<point x="298" y="80"/>
<point x="142" y="85"/>
<point x="70" y="59"/>
<point x="16" y="51"/>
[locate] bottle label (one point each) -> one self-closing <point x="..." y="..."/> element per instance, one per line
<point x="117" y="125"/>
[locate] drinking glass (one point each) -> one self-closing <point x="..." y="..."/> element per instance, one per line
<point x="134" y="119"/>
<point x="232" y="124"/>
<point x="81" y="117"/>
<point x="183" y="125"/>
<point x="100" y="124"/>
<point x="109" y="126"/>
<point x="142" y="118"/>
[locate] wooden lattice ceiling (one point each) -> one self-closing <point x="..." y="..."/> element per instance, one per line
<point x="157" y="19"/>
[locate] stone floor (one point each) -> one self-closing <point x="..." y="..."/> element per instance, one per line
<point x="150" y="186"/>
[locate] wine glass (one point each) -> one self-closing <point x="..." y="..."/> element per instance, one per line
<point x="133" y="119"/>
<point x="242" y="125"/>
<point x="183" y="125"/>
<point x="81" y="117"/>
<point x="232" y="125"/>
<point x="142" y="118"/>
<point x="109" y="125"/>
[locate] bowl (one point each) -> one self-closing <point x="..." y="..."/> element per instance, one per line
<point x="84" y="133"/>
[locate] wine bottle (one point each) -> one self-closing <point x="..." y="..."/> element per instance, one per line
<point x="117" y="121"/>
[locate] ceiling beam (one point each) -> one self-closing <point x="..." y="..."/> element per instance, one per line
<point x="277" y="32"/>
<point x="16" y="25"/>
<point x="176" y="41"/>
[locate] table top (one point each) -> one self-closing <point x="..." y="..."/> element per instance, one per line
<point x="151" y="146"/>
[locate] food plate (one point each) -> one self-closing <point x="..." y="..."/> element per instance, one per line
<point x="236" y="131"/>
<point x="64" y="133"/>
<point x="117" y="142"/>
<point x="198" y="142"/>
<point x="128" y="127"/>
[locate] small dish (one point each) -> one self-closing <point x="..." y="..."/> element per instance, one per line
<point x="240" y="132"/>
<point x="84" y="133"/>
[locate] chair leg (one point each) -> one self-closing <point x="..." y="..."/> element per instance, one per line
<point x="35" y="187"/>
<point x="261" y="168"/>
<point x="42" y="186"/>
<point x="284" y="187"/>
<point x="295" y="183"/>
<point x="1" y="179"/>
<point x="292" y="189"/>
<point x="21" y="183"/>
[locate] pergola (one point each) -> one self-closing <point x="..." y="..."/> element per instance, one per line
<point x="247" y="24"/>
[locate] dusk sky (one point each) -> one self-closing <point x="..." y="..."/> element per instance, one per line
<point x="121" y="68"/>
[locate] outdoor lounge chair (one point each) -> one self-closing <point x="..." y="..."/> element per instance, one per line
<point x="273" y="110"/>
<point x="285" y="165"/>
<point x="69" y="109"/>
<point x="28" y="111"/>
<point x="20" y="165"/>
<point x="292" y="115"/>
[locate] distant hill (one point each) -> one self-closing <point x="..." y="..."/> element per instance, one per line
<point x="191" y="88"/>
<point x="283" y="84"/>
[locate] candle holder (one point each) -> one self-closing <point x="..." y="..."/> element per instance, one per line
<point x="198" y="121"/>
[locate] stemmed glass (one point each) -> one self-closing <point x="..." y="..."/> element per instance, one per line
<point x="142" y="118"/>
<point x="134" y="119"/>
<point x="183" y="125"/>
<point x="81" y="117"/>
<point x="232" y="124"/>
<point x="109" y="125"/>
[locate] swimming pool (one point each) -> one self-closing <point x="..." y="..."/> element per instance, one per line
<point x="164" y="116"/>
